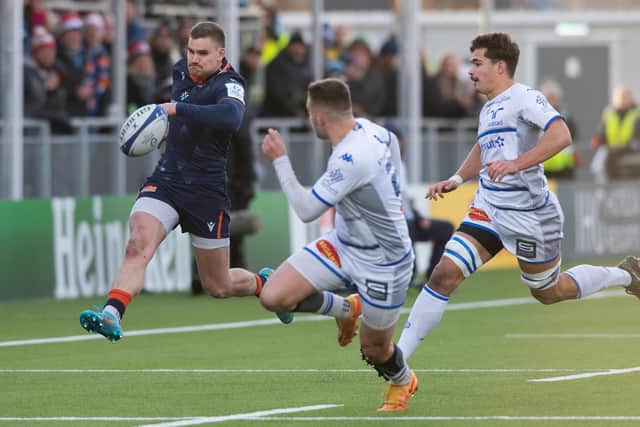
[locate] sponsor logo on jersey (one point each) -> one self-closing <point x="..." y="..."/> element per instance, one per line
<point x="347" y="158"/>
<point x="494" y="113"/>
<point x="149" y="188"/>
<point x="525" y="248"/>
<point x="332" y="177"/>
<point x="235" y="90"/>
<point x="184" y="95"/>
<point x="478" y="215"/>
<point x="497" y="142"/>
<point x="329" y="252"/>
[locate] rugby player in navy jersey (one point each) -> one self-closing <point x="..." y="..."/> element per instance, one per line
<point x="188" y="184"/>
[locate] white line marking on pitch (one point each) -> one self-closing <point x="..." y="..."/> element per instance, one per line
<point x="95" y="419"/>
<point x="249" y="415"/>
<point x="585" y="375"/>
<point x="288" y="371"/>
<point x="563" y="336"/>
<point x="266" y="322"/>
<point x="445" y="418"/>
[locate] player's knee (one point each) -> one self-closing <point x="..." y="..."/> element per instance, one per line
<point x="546" y="297"/>
<point x="272" y="301"/>
<point x="543" y="284"/>
<point x="138" y="248"/>
<point x="268" y="301"/>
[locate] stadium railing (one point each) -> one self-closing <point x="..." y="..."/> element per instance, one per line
<point x="88" y="161"/>
<point x="82" y="163"/>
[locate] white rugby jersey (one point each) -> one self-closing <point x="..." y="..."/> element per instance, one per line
<point x="362" y="182"/>
<point x="510" y="125"/>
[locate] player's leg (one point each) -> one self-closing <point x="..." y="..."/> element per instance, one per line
<point x="469" y="248"/>
<point x="537" y="246"/>
<point x="379" y="351"/>
<point x="303" y="283"/>
<point x="549" y="286"/>
<point x="150" y="221"/>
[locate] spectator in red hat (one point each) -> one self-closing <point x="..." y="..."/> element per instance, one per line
<point x="72" y="61"/>
<point x="97" y="64"/>
<point x="141" y="74"/>
<point x="43" y="88"/>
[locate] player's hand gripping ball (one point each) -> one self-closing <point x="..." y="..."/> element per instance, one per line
<point x="144" y="130"/>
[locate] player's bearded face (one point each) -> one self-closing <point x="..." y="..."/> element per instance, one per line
<point x="204" y="57"/>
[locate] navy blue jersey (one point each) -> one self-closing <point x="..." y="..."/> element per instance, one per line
<point x="207" y="115"/>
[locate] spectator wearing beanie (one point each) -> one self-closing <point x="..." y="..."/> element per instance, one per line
<point x="97" y="65"/>
<point x="141" y="86"/>
<point x="43" y="88"/>
<point x="72" y="61"/>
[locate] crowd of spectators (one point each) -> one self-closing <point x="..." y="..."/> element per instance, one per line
<point x="68" y="67"/>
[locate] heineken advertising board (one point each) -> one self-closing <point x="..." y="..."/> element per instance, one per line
<point x="72" y="247"/>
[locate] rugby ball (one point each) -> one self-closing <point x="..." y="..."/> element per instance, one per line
<point x="144" y="130"/>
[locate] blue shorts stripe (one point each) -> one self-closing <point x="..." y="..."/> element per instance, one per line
<point x="326" y="264"/>
<point x="434" y="294"/>
<point x="487" y="229"/>
<point x="503" y="208"/>
<point x="317" y="196"/>
<point x="469" y="251"/>
<point x="398" y="261"/>
<point x="355" y="245"/>
<point x="383" y="307"/>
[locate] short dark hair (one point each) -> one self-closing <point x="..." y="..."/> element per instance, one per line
<point x="500" y="47"/>
<point x="331" y="93"/>
<point x="208" y="29"/>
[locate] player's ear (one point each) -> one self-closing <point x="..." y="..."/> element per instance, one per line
<point x="221" y="53"/>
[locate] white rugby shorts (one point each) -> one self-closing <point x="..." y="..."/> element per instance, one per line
<point x="533" y="235"/>
<point x="328" y="265"/>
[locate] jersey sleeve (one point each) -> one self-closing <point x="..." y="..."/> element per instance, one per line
<point x="537" y="111"/>
<point x="343" y="175"/>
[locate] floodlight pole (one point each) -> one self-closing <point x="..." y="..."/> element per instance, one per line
<point x="486" y="13"/>
<point x="410" y="78"/>
<point x="13" y="101"/>
<point x="227" y="13"/>
<point x="119" y="105"/>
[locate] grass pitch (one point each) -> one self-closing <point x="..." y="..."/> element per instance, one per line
<point x="474" y="369"/>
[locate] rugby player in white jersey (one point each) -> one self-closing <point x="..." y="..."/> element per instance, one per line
<point x="513" y="208"/>
<point x="369" y="246"/>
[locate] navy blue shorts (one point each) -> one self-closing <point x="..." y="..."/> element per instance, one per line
<point x="203" y="209"/>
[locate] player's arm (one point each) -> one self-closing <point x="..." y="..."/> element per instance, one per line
<point x="304" y="203"/>
<point x="555" y="139"/>
<point x="470" y="168"/>
<point x="226" y="115"/>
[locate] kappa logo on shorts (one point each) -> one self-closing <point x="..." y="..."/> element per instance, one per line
<point x="479" y="215"/>
<point x="525" y="249"/>
<point x="329" y="252"/>
<point x="149" y="188"/>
